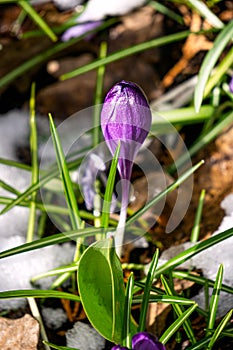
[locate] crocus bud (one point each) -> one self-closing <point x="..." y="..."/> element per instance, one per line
<point x="125" y="117"/>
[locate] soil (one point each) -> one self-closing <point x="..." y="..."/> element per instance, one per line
<point x="156" y="70"/>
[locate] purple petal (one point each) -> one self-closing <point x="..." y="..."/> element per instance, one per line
<point x="231" y="85"/>
<point x="79" y="30"/>
<point x="146" y="341"/>
<point x="125" y="117"/>
<point x="118" y="347"/>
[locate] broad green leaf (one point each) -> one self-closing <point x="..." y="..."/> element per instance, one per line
<point x="101" y="288"/>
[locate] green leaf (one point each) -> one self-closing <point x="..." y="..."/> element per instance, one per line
<point x="209" y="62"/>
<point x="177" y="324"/>
<point x="109" y="189"/>
<point x="37" y="19"/>
<point x="66" y="180"/>
<point x="101" y="288"/>
<point x="53" y="346"/>
<point x="179" y="311"/>
<point x="28" y="293"/>
<point x="126" y="330"/>
<point x="146" y="294"/>
<point x="219" y="329"/>
<point x="215" y="299"/>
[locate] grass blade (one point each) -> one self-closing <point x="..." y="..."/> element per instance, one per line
<point x="204" y="10"/>
<point x="53" y="346"/>
<point x="40" y="293"/>
<point x="209" y="62"/>
<point x="196" y="226"/>
<point x="168" y="299"/>
<point x="177" y="324"/>
<point x="126" y="332"/>
<point x="179" y="311"/>
<point x="51" y="240"/>
<point x="35" y="168"/>
<point x="199" y="280"/>
<point x="214" y="300"/>
<point x="126" y="52"/>
<point x="109" y="189"/>
<point x="146" y="294"/>
<point x="98" y="96"/>
<point x="75" y="219"/>
<point x="37" y="19"/>
<point x="219" y="329"/>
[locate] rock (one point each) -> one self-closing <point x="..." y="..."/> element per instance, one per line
<point x="19" y="334"/>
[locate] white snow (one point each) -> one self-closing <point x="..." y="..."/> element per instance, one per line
<point x="16" y="271"/>
<point x="53" y="318"/>
<point x="84" y="337"/>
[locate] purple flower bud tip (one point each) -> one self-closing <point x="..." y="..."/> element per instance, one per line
<point x="231" y="85"/>
<point x="79" y="30"/>
<point x="146" y="341"/>
<point x="143" y="341"/>
<point x="125" y="117"/>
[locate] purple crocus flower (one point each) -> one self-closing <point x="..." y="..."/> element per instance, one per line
<point x="125" y="117"/>
<point x="143" y="341"/>
<point x="231" y="85"/>
<point x="79" y="30"/>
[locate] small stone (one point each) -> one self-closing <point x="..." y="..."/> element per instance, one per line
<point x="19" y="334"/>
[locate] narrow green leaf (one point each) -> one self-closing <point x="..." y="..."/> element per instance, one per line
<point x="219" y="329"/>
<point x="204" y="10"/>
<point x="168" y="299"/>
<point x="146" y="294"/>
<point x="209" y="62"/>
<point x="40" y="293"/>
<point x="54" y="239"/>
<point x="179" y="311"/>
<point x="194" y="250"/>
<point x="126" y="52"/>
<point x="196" y="227"/>
<point x="53" y="346"/>
<point x="37" y="19"/>
<point x="173" y="328"/>
<point x="35" y="167"/>
<point x="203" y="140"/>
<point x="199" y="280"/>
<point x="109" y="189"/>
<point x="75" y="219"/>
<point x="126" y="330"/>
<point x="214" y="300"/>
<point x="101" y="288"/>
<point x="45" y="55"/>
<point x="98" y="96"/>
